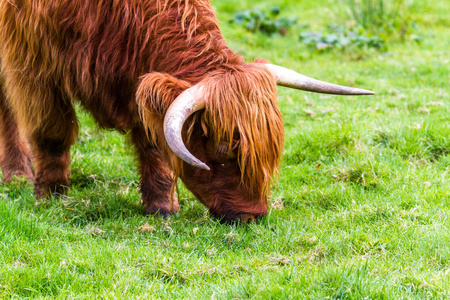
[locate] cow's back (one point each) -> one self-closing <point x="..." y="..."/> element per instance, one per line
<point x="80" y="44"/>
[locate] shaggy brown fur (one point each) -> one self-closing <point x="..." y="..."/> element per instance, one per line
<point x="125" y="61"/>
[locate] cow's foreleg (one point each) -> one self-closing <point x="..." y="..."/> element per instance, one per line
<point x="14" y="150"/>
<point x="156" y="177"/>
<point x="51" y="140"/>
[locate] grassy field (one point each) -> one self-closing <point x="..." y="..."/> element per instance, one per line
<point x="361" y="208"/>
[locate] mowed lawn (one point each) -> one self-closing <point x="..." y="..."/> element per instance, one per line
<point x="361" y="208"/>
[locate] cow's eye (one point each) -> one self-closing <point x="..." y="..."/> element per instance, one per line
<point x="222" y="150"/>
<point x="225" y="151"/>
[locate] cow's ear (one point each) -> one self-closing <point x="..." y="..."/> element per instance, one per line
<point x="155" y="93"/>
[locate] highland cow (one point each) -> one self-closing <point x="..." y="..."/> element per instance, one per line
<point x="156" y="70"/>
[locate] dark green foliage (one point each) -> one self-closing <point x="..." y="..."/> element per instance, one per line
<point x="342" y="38"/>
<point x="268" y="23"/>
<point x="373" y="25"/>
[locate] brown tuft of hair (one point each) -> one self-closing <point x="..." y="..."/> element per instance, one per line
<point x="154" y="95"/>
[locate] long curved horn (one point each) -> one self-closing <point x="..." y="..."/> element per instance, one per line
<point x="288" y="78"/>
<point x="188" y="102"/>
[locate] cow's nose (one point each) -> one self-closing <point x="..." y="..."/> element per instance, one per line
<point x="248" y="218"/>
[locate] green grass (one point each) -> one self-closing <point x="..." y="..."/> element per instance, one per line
<point x="361" y="208"/>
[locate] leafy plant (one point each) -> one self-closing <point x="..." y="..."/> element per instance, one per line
<point x="342" y="38"/>
<point x="268" y="23"/>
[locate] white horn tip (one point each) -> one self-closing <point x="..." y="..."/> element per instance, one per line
<point x="203" y="166"/>
<point x="364" y="92"/>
